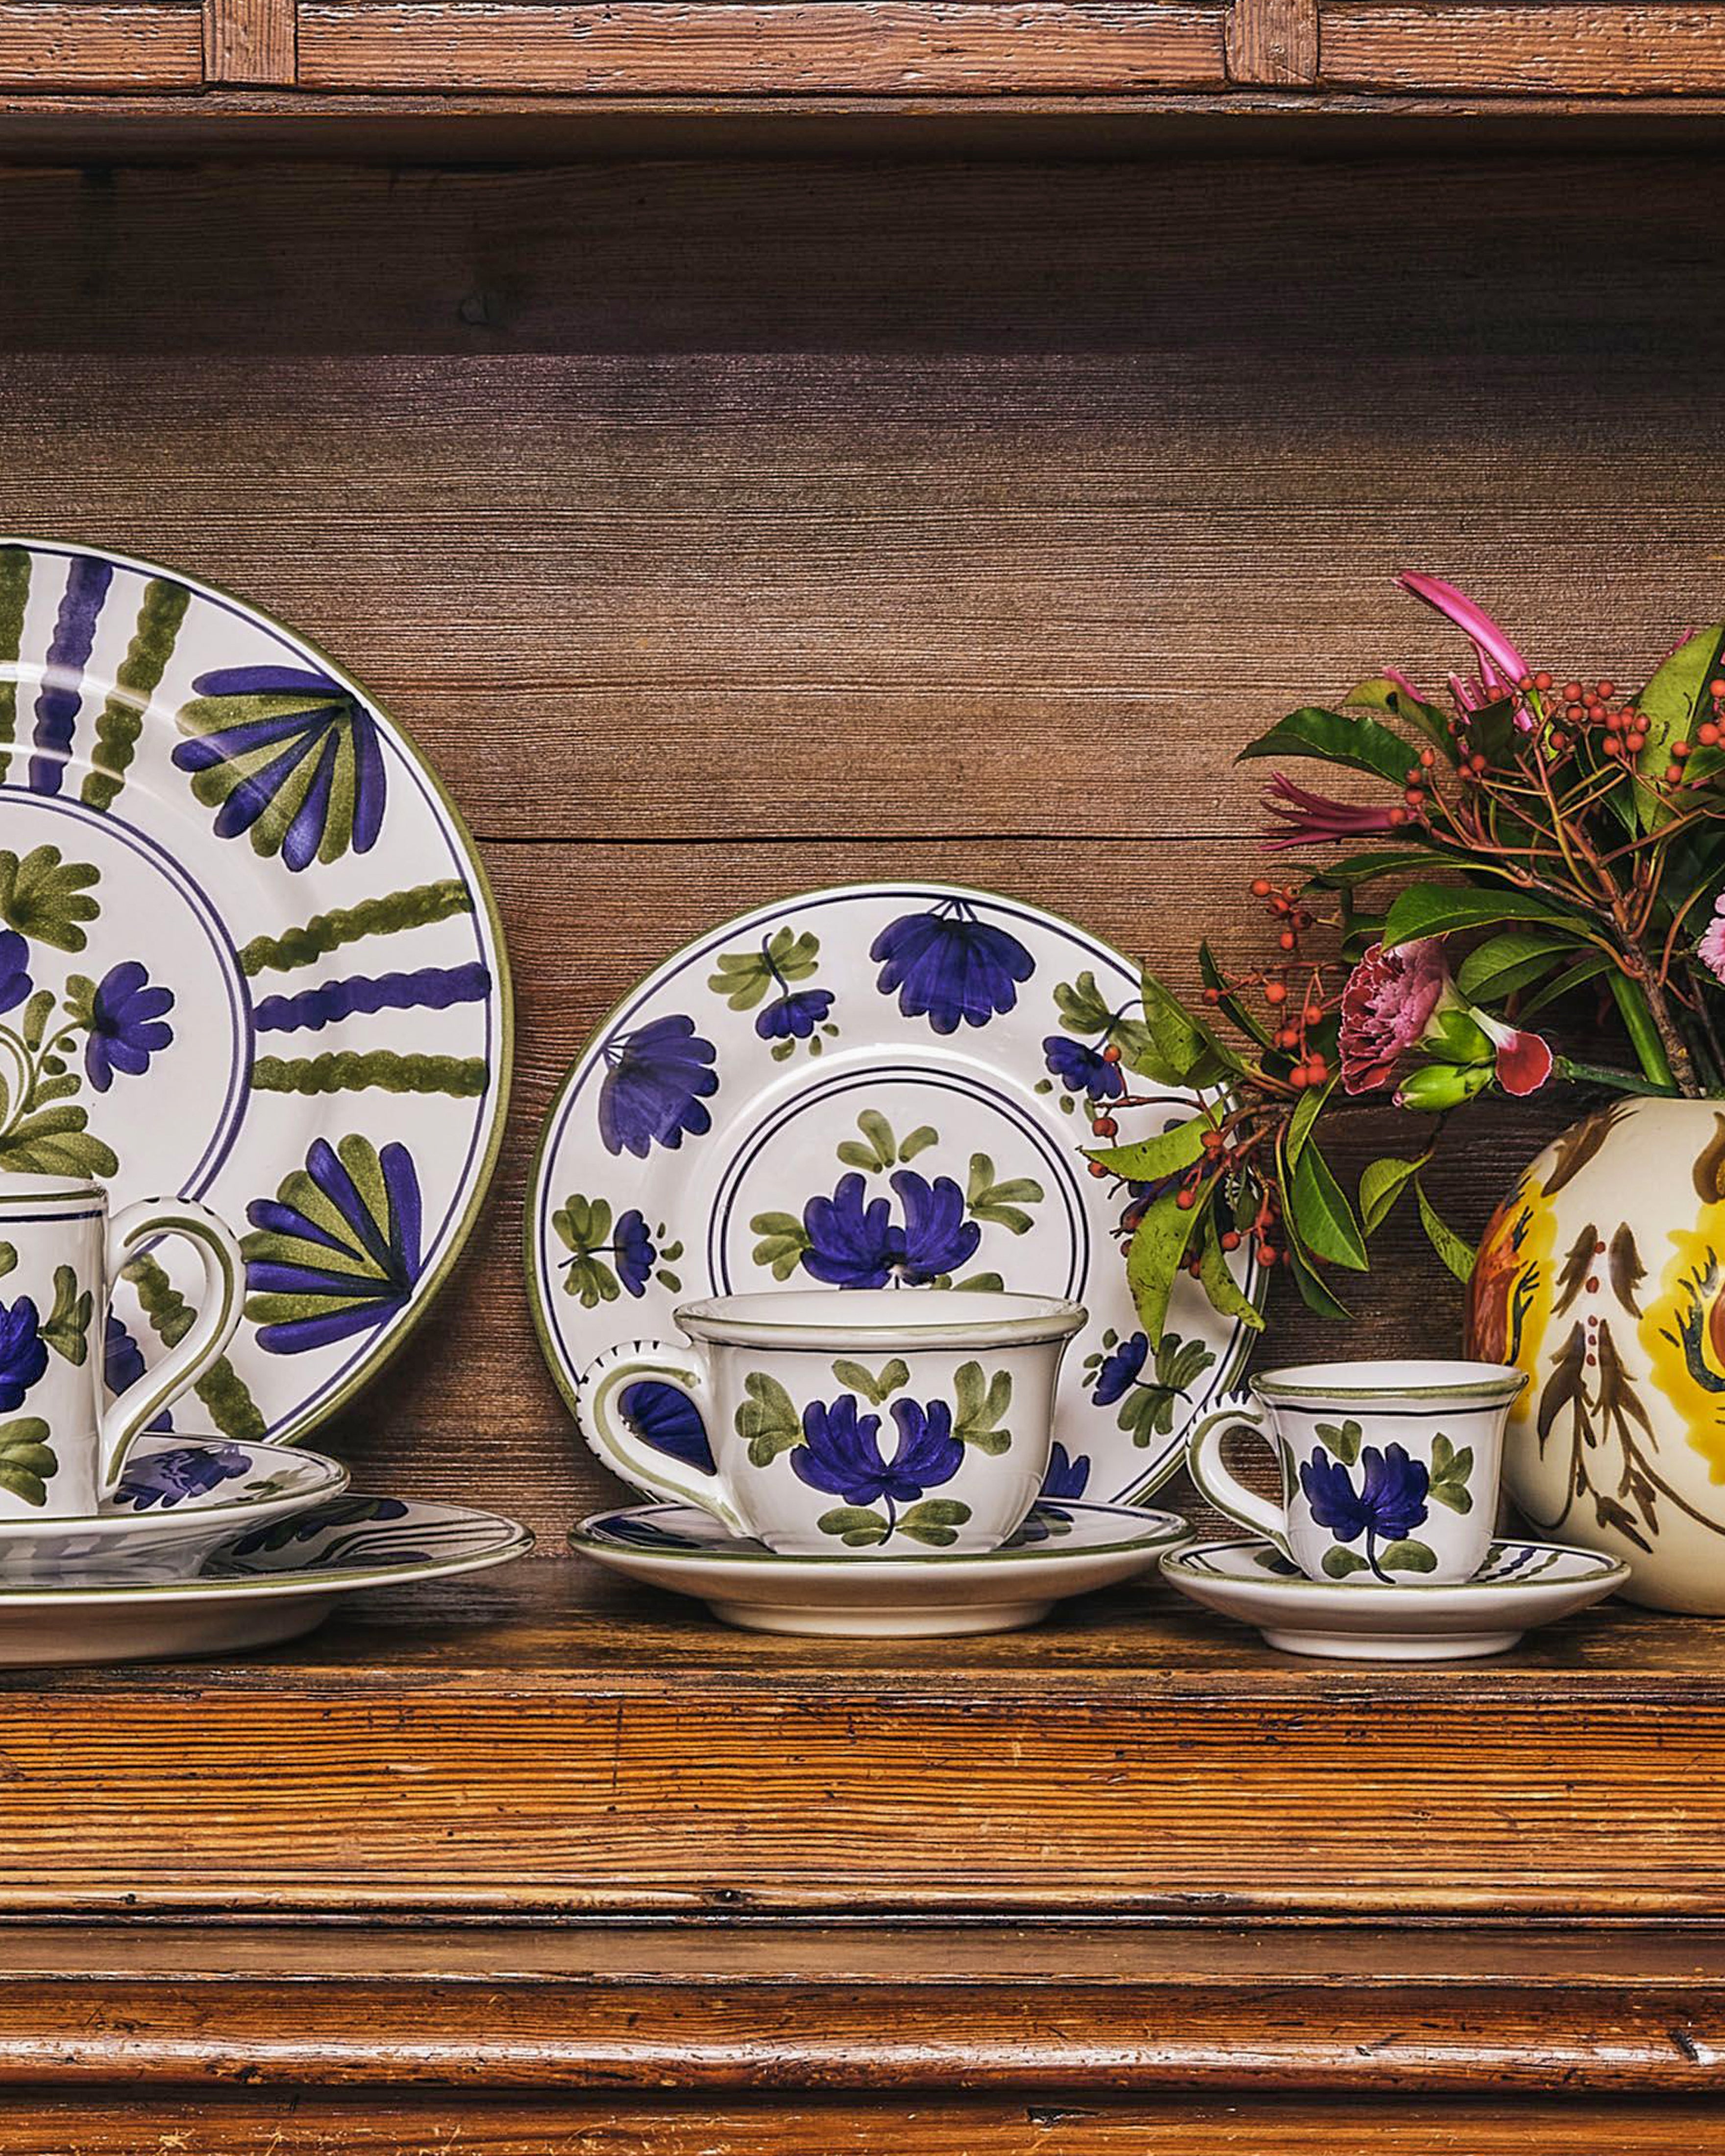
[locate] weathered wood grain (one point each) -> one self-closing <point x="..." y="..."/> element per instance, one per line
<point x="722" y="47"/>
<point x="1271" y="41"/>
<point x="1503" y="48"/>
<point x="1360" y="2012"/>
<point x="550" y="1741"/>
<point x="100" y="44"/>
<point x="248" y="41"/>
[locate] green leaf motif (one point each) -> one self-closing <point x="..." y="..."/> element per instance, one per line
<point x="856" y="1526"/>
<point x="983" y="1405"/>
<point x="1342" y="1439"/>
<point x="1001" y="1203"/>
<point x="1084" y="1012"/>
<point x="8" y="1259"/>
<point x="875" y="1388"/>
<point x="1406" y="1556"/>
<point x="1338" y="1563"/>
<point x="583" y="1227"/>
<point x="1149" y="1409"/>
<point x="743" y="978"/>
<point x="55" y="1141"/>
<point x="1450" y="1470"/>
<point x="67" y="1331"/>
<point x="880" y="1149"/>
<point x="26" y="1459"/>
<point x="767" y="1421"/>
<point x="47" y="898"/>
<point x="935" y="1520"/>
<point x="782" y="1245"/>
<point x="304" y="752"/>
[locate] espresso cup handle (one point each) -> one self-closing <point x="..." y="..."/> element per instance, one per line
<point x="606" y="1425"/>
<point x="218" y="1312"/>
<point x="1224" y="1488"/>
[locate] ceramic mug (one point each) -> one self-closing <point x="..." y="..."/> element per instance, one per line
<point x="857" y="1422"/>
<point x="62" y="1444"/>
<point x="1389" y="1470"/>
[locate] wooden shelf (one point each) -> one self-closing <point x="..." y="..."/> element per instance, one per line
<point x="555" y="1742"/>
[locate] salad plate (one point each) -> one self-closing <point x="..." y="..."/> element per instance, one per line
<point x="1060" y="1551"/>
<point x="883" y="1084"/>
<point x="176" y="1500"/>
<point x="1519" y="1585"/>
<point x="270" y="1585"/>
<point x="247" y="954"/>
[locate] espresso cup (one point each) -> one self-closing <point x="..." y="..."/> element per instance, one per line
<point x="62" y="1443"/>
<point x="841" y="1423"/>
<point x="1389" y="1470"/>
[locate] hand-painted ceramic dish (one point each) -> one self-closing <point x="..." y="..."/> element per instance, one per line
<point x="262" y="1586"/>
<point x="1061" y="1550"/>
<point x="884" y="1085"/>
<point x="247" y="954"/>
<point x="1521" y="1585"/>
<point x="176" y="1500"/>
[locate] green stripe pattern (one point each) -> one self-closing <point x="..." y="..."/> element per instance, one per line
<point x="463" y="1077"/>
<point x="326" y="932"/>
<point x="14" y="593"/>
<point x="160" y="613"/>
<point x="221" y="1389"/>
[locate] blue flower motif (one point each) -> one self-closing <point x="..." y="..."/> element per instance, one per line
<point x="841" y="1451"/>
<point x="346" y="1511"/>
<point x="23" y="1352"/>
<point x="123" y="1364"/>
<point x="186" y="1471"/>
<point x="948" y="967"/>
<point x="655" y="1081"/>
<point x="14" y="969"/>
<point x="127" y="1024"/>
<point x="1390" y="1502"/>
<point x="794" y="1015"/>
<point x="1082" y="1068"/>
<point x="336" y="1251"/>
<point x="1065" y="1477"/>
<point x="287" y="755"/>
<point x="854" y="1242"/>
<point x="632" y="1247"/>
<point x="1120" y="1370"/>
<point x="937" y="1238"/>
<point x="665" y="1418"/>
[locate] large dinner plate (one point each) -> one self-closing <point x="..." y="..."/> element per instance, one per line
<point x="247" y="954"/>
<point x="880" y="1084"/>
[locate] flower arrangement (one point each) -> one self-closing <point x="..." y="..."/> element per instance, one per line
<point x="1543" y="873"/>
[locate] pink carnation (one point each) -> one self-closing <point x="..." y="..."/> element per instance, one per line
<point x="1711" y="949"/>
<point x="1386" y="1007"/>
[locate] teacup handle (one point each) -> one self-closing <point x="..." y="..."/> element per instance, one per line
<point x="1224" y="1488"/>
<point x="598" y="1411"/>
<point x="218" y="1312"/>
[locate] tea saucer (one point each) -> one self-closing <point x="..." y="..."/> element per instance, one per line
<point x="1061" y="1550"/>
<point x="178" y="1499"/>
<point x="878" y="1085"/>
<point x="1521" y="1585"/>
<point x="271" y="1583"/>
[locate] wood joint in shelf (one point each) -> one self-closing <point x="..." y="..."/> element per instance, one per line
<point x="249" y="42"/>
<point x="1271" y="41"/>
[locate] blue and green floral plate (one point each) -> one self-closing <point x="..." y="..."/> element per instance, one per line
<point x="178" y="1499"/>
<point x="267" y="1583"/>
<point x="247" y="954"/>
<point x="1060" y="1551"/>
<point x="882" y="1085"/>
<point x="1519" y="1585"/>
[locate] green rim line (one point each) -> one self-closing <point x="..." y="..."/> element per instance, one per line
<point x="1194" y="1562"/>
<point x="586" y="1535"/>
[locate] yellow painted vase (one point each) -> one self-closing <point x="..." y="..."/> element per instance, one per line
<point x="1603" y="1277"/>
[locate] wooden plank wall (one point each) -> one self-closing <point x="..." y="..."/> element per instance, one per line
<point x="725" y="530"/>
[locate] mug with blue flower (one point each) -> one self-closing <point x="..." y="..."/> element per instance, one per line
<point x="62" y="1443"/>
<point x="840" y="1423"/>
<point x="1389" y="1470"/>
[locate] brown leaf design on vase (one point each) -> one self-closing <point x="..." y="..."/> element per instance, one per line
<point x="1709" y="1165"/>
<point x="1575" y="1269"/>
<point x="1627" y="1270"/>
<point x="1576" y="1147"/>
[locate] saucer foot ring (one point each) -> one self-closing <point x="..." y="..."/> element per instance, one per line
<point x="905" y="1624"/>
<point x="1392" y="1646"/>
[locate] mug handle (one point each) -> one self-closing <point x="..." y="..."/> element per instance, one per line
<point x="124" y="1418"/>
<point x="607" y="1430"/>
<point x="1223" y="1488"/>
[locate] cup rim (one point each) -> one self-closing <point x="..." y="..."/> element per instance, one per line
<point x="22" y="1187"/>
<point x="746" y="1320"/>
<point x="1420" y="1380"/>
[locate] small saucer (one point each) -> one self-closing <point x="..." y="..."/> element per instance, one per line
<point x="1521" y="1585"/>
<point x="178" y="1499"/>
<point x="1062" y="1549"/>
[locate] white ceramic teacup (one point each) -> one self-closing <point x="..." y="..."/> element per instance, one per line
<point x="856" y="1422"/>
<point x="62" y="1444"/>
<point x="1389" y="1470"/>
